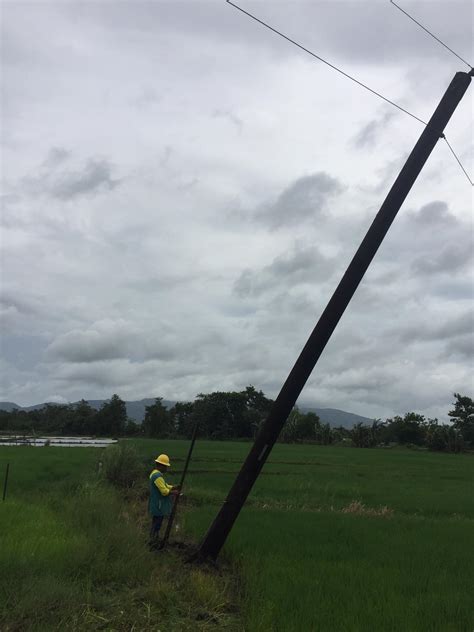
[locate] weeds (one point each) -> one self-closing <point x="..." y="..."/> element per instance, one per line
<point x="358" y="508"/>
<point x="121" y="465"/>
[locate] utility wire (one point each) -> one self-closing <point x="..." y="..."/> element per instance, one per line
<point x="459" y="162"/>
<point x="459" y="57"/>
<point x="325" y="62"/>
<point x="430" y="33"/>
<point x="352" y="78"/>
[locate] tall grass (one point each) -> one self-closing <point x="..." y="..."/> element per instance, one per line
<point x="73" y="556"/>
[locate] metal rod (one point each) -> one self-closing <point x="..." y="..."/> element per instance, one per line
<point x="224" y="521"/>
<point x="183" y="476"/>
<point x="6" y="482"/>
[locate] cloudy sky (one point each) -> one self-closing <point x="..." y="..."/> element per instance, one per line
<point x="182" y="191"/>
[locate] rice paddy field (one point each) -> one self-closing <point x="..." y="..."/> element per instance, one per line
<point x="331" y="539"/>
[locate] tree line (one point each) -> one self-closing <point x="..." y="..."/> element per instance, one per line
<point x="239" y="415"/>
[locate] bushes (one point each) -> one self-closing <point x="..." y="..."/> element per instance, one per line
<point x="445" y="438"/>
<point x="121" y="465"/>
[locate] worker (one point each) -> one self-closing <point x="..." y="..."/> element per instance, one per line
<point x="160" y="502"/>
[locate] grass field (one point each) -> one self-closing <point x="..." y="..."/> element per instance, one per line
<point x="332" y="539"/>
<point x="73" y="555"/>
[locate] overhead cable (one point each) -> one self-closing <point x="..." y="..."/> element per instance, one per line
<point x="459" y="162"/>
<point x="430" y="33"/>
<point x="363" y="85"/>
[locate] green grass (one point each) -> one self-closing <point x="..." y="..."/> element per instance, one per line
<point x="313" y="559"/>
<point x="331" y="539"/>
<point x="321" y="477"/>
<point x="73" y="555"/>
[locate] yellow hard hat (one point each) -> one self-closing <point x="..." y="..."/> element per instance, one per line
<point x="163" y="459"/>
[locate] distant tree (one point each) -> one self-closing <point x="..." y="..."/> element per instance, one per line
<point x="289" y="432"/>
<point x="132" y="429"/>
<point x="111" y="418"/>
<point x="256" y="400"/>
<point x="258" y="407"/>
<point x="324" y="432"/>
<point x="408" y="429"/>
<point x="376" y="432"/>
<point x="444" y="438"/>
<point x="224" y="415"/>
<point x="221" y="415"/>
<point x="183" y="418"/>
<point x="158" y="421"/>
<point x="340" y="433"/>
<point x="52" y="418"/>
<point x="301" y="427"/>
<point x="463" y="417"/>
<point x="81" y="419"/>
<point x="362" y="436"/>
<point x="16" y="421"/>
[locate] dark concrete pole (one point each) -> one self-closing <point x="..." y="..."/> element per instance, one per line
<point x="220" y="528"/>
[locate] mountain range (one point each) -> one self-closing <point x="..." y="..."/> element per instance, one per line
<point x="136" y="411"/>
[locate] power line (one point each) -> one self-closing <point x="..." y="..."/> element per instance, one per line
<point x="306" y="50"/>
<point x="325" y="62"/>
<point x="430" y="33"/>
<point x="459" y="162"/>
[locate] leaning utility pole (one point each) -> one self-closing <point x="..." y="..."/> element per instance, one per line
<point x="220" y="528"/>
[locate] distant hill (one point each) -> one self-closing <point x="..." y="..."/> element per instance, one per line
<point x="9" y="406"/>
<point x="136" y="411"/>
<point x="335" y="417"/>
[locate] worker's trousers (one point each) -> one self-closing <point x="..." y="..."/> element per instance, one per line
<point x="156" y="522"/>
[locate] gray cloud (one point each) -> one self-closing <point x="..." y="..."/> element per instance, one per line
<point x="454" y="289"/>
<point x="96" y="175"/>
<point x="58" y="182"/>
<point x="230" y="116"/>
<point x="451" y="258"/>
<point x="326" y="28"/>
<point x="434" y="213"/>
<point x="304" y="199"/>
<point x="161" y="257"/>
<point x="56" y="156"/>
<point x="461" y="348"/>
<point x="109" y="340"/>
<point x="21" y="304"/>
<point x="452" y="328"/>
<point x="367" y="137"/>
<point x="305" y="265"/>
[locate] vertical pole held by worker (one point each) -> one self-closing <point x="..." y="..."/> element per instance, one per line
<point x="6" y="482"/>
<point x="176" y="500"/>
<point x="224" y="521"/>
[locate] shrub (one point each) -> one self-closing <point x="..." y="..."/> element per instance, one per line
<point x="121" y="465"/>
